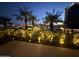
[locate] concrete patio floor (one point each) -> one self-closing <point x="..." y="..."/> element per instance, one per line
<point x="24" y="49"/>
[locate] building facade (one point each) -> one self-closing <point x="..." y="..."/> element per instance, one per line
<point x="72" y="17"/>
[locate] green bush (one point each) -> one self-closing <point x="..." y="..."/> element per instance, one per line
<point x="34" y="36"/>
<point x="18" y="35"/>
<point x="69" y="38"/>
<point x="39" y="35"/>
<point x="76" y="39"/>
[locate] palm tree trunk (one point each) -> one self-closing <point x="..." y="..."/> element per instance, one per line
<point x="72" y="32"/>
<point x="5" y="26"/>
<point x="72" y="35"/>
<point x="25" y="23"/>
<point x="33" y="23"/>
<point x="51" y="26"/>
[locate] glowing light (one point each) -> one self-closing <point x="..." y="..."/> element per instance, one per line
<point x="30" y="35"/>
<point x="29" y="29"/>
<point x="13" y="38"/>
<point x="62" y="38"/>
<point x="29" y="40"/>
<point x="61" y="41"/>
<point x="76" y="39"/>
<point x="39" y="38"/>
<point x="23" y="33"/>
<point x="50" y="38"/>
<point x="36" y="28"/>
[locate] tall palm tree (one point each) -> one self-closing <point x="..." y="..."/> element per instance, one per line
<point x="52" y="17"/>
<point x="5" y="21"/>
<point x="24" y="15"/>
<point x="32" y="19"/>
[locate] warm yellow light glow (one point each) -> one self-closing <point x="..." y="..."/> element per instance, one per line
<point x="62" y="28"/>
<point x="29" y="40"/>
<point x="62" y="38"/>
<point x="39" y="38"/>
<point x="30" y="34"/>
<point x="50" y="37"/>
<point x="61" y="41"/>
<point x="36" y="29"/>
<point x="13" y="38"/>
<point x="23" y="33"/>
<point x="76" y="39"/>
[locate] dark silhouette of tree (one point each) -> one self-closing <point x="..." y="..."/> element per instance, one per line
<point x="6" y="21"/>
<point x="33" y="19"/>
<point x="52" y="17"/>
<point x="24" y="14"/>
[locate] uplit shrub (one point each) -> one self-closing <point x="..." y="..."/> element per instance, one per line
<point x="76" y="39"/>
<point x="26" y="36"/>
<point x="4" y="36"/>
<point x="1" y="33"/>
<point x="69" y="39"/>
<point x="48" y="36"/>
<point x="18" y="35"/>
<point x="56" y="38"/>
<point x="39" y="35"/>
<point x="62" y="38"/>
<point x="34" y="36"/>
<point x="8" y="31"/>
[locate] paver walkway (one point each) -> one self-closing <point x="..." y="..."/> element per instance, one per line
<point x="20" y="49"/>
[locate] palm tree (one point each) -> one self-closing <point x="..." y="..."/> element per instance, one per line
<point x="52" y="17"/>
<point x="24" y="15"/>
<point x="32" y="19"/>
<point x="5" y="21"/>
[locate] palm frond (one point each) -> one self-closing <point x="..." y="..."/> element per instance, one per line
<point x="53" y="17"/>
<point x="53" y="11"/>
<point x="47" y="13"/>
<point x="60" y="13"/>
<point x="57" y="12"/>
<point x="20" y="9"/>
<point x="19" y="18"/>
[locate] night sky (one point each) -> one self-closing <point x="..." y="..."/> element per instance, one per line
<point x="39" y="9"/>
